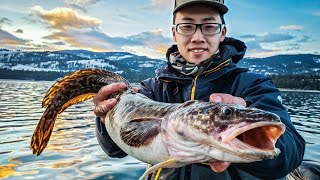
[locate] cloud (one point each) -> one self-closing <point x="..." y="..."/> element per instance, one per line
<point x="75" y="6"/>
<point x="58" y="43"/>
<point x="293" y="47"/>
<point x="19" y="31"/>
<point x="268" y="44"/>
<point x="98" y="41"/>
<point x="254" y="46"/>
<point x="273" y="37"/>
<point x="160" y="5"/>
<point x="316" y="13"/>
<point x="316" y="52"/>
<point x="305" y="39"/>
<point x="248" y="36"/>
<point x="73" y="30"/>
<point x="85" y="39"/>
<point x="8" y="40"/>
<point x="153" y="40"/>
<point x="291" y="27"/>
<point x="150" y="37"/>
<point x="81" y="4"/>
<point x="268" y="38"/>
<point x="65" y="19"/>
<point x="5" y="21"/>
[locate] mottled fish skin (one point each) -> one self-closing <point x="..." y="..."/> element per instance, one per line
<point x="135" y="125"/>
<point x="194" y="132"/>
<point x="153" y="132"/>
<point x="211" y="117"/>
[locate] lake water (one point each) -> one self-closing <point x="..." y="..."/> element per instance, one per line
<point x="73" y="151"/>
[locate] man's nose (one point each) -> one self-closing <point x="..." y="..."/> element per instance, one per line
<point x="197" y="36"/>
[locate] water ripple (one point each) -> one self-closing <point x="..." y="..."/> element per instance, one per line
<point x="73" y="151"/>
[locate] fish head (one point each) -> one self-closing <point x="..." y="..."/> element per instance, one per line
<point x="225" y="132"/>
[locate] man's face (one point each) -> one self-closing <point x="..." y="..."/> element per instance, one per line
<point x="197" y="47"/>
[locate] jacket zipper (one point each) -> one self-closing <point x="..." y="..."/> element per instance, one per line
<point x="193" y="89"/>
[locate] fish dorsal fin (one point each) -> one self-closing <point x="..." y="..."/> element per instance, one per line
<point x="104" y="76"/>
<point x="141" y="131"/>
<point x="158" y="166"/>
<point x="76" y="100"/>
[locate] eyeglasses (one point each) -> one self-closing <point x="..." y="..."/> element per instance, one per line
<point x="206" y="28"/>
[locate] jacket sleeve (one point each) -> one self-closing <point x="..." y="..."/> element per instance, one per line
<point x="261" y="93"/>
<point x="106" y="143"/>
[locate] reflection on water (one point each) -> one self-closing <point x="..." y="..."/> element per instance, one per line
<point x="73" y="151"/>
<point x="304" y="109"/>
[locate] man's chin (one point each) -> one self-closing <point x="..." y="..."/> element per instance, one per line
<point x="196" y="59"/>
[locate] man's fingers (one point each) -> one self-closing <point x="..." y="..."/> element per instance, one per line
<point x="227" y="98"/>
<point x="215" y="98"/>
<point x="102" y="109"/>
<point x="240" y="101"/>
<point x="219" y="166"/>
<point x="107" y="90"/>
<point x="135" y="89"/>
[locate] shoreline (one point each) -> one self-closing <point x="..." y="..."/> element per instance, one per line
<point x="299" y="90"/>
<point x="280" y="89"/>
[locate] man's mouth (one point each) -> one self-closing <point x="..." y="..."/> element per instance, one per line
<point x="198" y="50"/>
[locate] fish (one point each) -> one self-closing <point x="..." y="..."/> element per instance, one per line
<point x="169" y="135"/>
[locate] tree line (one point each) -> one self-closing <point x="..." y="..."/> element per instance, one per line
<point x="297" y="81"/>
<point x="294" y="81"/>
<point x="52" y="75"/>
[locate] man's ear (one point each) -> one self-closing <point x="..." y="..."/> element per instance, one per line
<point x="174" y="38"/>
<point x="223" y="33"/>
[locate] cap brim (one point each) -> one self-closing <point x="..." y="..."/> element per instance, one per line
<point x="222" y="8"/>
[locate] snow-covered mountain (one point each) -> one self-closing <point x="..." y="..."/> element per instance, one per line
<point x="126" y="64"/>
<point x="136" y="67"/>
<point x="284" y="64"/>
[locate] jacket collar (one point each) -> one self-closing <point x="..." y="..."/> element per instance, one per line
<point x="231" y="52"/>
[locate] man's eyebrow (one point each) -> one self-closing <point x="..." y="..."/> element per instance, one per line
<point x="209" y="19"/>
<point x="187" y="19"/>
<point x="205" y="19"/>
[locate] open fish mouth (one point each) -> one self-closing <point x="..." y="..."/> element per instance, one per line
<point x="259" y="136"/>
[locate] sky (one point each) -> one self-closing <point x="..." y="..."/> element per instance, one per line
<point x="143" y="27"/>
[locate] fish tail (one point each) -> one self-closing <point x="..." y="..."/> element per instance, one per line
<point x="42" y="133"/>
<point x="73" y="88"/>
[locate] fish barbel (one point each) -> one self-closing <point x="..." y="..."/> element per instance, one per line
<point x="166" y="134"/>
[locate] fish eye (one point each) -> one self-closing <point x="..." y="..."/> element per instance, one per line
<point x="227" y="111"/>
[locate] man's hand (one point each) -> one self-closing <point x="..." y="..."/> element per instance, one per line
<point x="227" y="98"/>
<point x="102" y="102"/>
<point x="220" y="166"/>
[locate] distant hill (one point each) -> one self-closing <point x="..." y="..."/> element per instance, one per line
<point x="284" y="64"/>
<point x="131" y="66"/>
<point x="52" y="65"/>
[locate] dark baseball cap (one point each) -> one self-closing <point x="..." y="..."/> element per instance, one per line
<point x="219" y="4"/>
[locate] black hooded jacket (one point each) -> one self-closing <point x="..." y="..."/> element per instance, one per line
<point x="222" y="76"/>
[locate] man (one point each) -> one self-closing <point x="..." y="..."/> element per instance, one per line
<point x="202" y="65"/>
